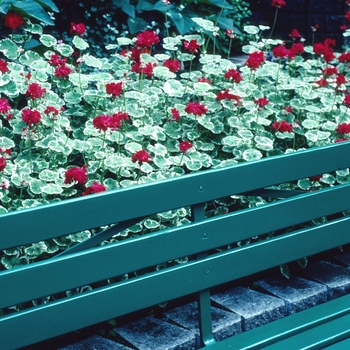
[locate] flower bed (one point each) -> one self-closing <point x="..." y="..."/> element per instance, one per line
<point x="75" y="124"/>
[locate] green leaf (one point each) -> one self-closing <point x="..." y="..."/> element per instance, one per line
<point x="9" y="49"/>
<point x="151" y="224"/>
<point x="174" y="88"/>
<point x="12" y="262"/>
<point x="36" y="186"/>
<point x="136" y="25"/>
<point x="182" y="19"/>
<point x="48" y="40"/>
<point x="33" y="9"/>
<point x="48" y="175"/>
<point x="52" y="189"/>
<point x="49" y="4"/>
<point x="126" y="7"/>
<point x="304" y="184"/>
<point x="251" y="29"/>
<point x="92" y="61"/>
<point x="80" y="43"/>
<point x="6" y="143"/>
<point x="251" y="154"/>
<point x="285" y="270"/>
<point x="64" y="49"/>
<point x="205" y="24"/>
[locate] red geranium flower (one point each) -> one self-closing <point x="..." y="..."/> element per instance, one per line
<point x="13" y="20"/>
<point x="4" y="105"/>
<point x="346" y="101"/>
<point x="192" y="46"/>
<point x="141" y="156"/>
<point x="51" y="109"/>
<point x="185" y="146"/>
<point x="196" y="108"/>
<point x="204" y="80"/>
<point x="340" y="79"/>
<point x="261" y="102"/>
<point x="62" y="72"/>
<point x="35" y="91"/>
<point x="347" y="16"/>
<point x="2" y="163"/>
<point x="114" y="89"/>
<point x="343" y="128"/>
<point x="172" y="65"/>
<point x="295" y="34"/>
<point x="94" y="188"/>
<point x="233" y="74"/>
<point x="56" y="60"/>
<point x="76" y="174"/>
<point x="255" y="59"/>
<point x="226" y="95"/>
<point x="341" y="140"/>
<point x="147" y="39"/>
<point x="278" y="3"/>
<point x="282" y="126"/>
<point x="328" y="55"/>
<point x="3" y="66"/>
<point x="78" y="28"/>
<point x="295" y="50"/>
<point x="344" y="57"/>
<point x="136" y="53"/>
<point x="31" y="116"/>
<point x="280" y="51"/>
<point x="319" y="48"/>
<point x="328" y="71"/>
<point x="143" y="68"/>
<point x="175" y="115"/>
<point x="102" y="122"/>
<point x="322" y="82"/>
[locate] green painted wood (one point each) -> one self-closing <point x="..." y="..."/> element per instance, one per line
<point x="44" y="222"/>
<point x="97" y="264"/>
<point x="344" y="344"/>
<point x="315" y="320"/>
<point x="150" y="289"/>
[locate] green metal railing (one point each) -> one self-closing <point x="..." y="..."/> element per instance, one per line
<point x="88" y="263"/>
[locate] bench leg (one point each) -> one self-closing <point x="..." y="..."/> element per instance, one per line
<point x="205" y="322"/>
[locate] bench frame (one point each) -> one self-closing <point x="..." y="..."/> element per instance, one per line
<point x="87" y="263"/>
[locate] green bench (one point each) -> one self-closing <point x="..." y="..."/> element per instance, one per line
<point x="89" y="263"/>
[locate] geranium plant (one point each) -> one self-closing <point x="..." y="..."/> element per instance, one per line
<point x="75" y="124"/>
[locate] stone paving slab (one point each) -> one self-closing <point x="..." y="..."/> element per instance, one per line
<point x="95" y="343"/>
<point x="298" y="293"/>
<point x="335" y="277"/>
<point x="225" y="324"/>
<point x="151" y="333"/>
<point x="255" y="308"/>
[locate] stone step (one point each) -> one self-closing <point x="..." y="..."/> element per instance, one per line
<point x="233" y="311"/>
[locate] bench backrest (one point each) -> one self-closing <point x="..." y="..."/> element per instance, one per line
<point x="91" y="264"/>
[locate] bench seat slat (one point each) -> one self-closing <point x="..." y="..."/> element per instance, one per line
<point x="313" y="328"/>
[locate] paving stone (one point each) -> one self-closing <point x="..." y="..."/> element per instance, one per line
<point x="335" y="277"/>
<point x="255" y="308"/>
<point x="225" y="323"/>
<point x="152" y="333"/>
<point x="298" y="293"/>
<point x="95" y="343"/>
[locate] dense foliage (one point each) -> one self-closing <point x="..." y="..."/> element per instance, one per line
<point x="73" y="123"/>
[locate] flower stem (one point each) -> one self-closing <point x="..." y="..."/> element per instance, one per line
<point x="274" y="24"/>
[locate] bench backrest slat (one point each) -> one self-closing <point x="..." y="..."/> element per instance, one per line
<point x="40" y="223"/>
<point x="149" y="250"/>
<point x="104" y="303"/>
